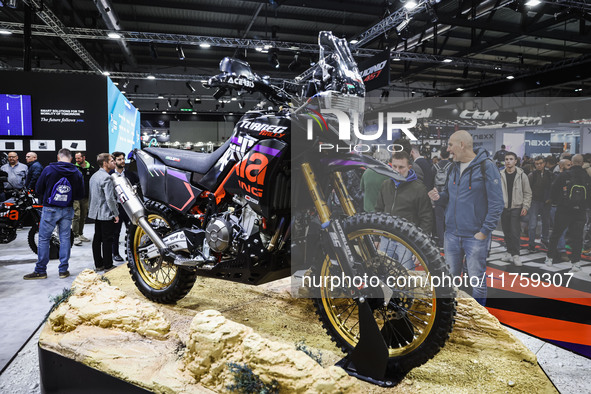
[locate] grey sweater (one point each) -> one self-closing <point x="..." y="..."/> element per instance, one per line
<point x="103" y="203"/>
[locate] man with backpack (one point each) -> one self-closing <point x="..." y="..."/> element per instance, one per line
<point x="571" y="193"/>
<point x="440" y="170"/>
<point x="59" y="185"/>
<point x="474" y="201"/>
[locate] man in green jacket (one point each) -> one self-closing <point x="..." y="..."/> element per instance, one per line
<point x="407" y="199"/>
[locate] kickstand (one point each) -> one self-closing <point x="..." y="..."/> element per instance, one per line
<point x="369" y="359"/>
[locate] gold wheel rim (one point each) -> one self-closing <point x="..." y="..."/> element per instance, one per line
<point x="343" y="314"/>
<point x="163" y="277"/>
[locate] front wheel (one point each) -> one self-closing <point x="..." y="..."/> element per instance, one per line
<point x="418" y="318"/>
<point x="157" y="280"/>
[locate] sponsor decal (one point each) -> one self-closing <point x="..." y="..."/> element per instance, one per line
<point x="478" y="115"/>
<point x="252" y="200"/>
<point x="253" y="170"/>
<point x="12" y="215"/>
<point x="171" y="158"/>
<point x="241" y="82"/>
<point x="63" y="189"/>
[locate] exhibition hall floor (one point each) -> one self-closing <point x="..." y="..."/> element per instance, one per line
<point x="25" y="303"/>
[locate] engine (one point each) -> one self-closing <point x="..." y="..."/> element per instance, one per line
<point x="226" y="231"/>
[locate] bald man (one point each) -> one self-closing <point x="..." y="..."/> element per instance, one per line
<point x="35" y="170"/>
<point x="473" y="196"/>
<point x="17" y="174"/>
<point x="571" y="193"/>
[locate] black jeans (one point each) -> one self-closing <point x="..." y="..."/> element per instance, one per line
<point x="510" y="221"/>
<point x="117" y="232"/>
<point x="102" y="243"/>
<point x="574" y="220"/>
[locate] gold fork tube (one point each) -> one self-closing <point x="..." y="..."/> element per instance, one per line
<point x="316" y="193"/>
<point x="344" y="197"/>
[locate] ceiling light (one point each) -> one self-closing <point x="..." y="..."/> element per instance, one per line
<point x="259" y="49"/>
<point x="204" y="45"/>
<point x="510" y="77"/>
<point x="234" y="99"/>
<point x="151" y="77"/>
<point x="125" y="83"/>
<point x="194" y="113"/>
<point x="410" y="5"/>
<point x="267" y="47"/>
<point x="533" y="3"/>
<point x="447" y="60"/>
<point x="106" y="73"/>
<point x="5" y="32"/>
<point x="114" y="35"/>
<point x="160" y="96"/>
<point x="460" y="89"/>
<point x="131" y="101"/>
<point x="353" y="42"/>
<point x="578" y="90"/>
<point x="168" y="102"/>
<point x="180" y="52"/>
<point x="163" y="112"/>
<point x="402" y="25"/>
<point x="116" y="83"/>
<point x="123" y="92"/>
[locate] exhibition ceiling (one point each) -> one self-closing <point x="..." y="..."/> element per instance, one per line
<point x="486" y="48"/>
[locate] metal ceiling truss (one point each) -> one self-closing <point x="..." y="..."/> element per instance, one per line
<point x="59" y="29"/>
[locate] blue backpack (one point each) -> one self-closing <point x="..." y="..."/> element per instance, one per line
<point x="61" y="194"/>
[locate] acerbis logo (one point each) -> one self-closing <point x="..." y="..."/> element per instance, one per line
<point x="345" y="124"/>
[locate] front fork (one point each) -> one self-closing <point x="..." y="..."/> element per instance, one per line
<point x="334" y="234"/>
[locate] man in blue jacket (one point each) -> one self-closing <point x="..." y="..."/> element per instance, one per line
<point x="474" y="201"/>
<point x="55" y="213"/>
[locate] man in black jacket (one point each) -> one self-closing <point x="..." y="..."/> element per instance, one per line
<point x="540" y="181"/>
<point x="571" y="192"/>
<point x="35" y="169"/>
<point x="81" y="207"/>
<point x="57" y="211"/>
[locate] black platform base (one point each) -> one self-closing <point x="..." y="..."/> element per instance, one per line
<point x="60" y="374"/>
<point x="348" y="366"/>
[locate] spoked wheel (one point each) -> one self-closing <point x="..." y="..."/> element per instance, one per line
<point x="158" y="280"/>
<point x="54" y="242"/>
<point x="416" y="320"/>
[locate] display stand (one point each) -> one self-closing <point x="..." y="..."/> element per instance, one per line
<point x="60" y="374"/>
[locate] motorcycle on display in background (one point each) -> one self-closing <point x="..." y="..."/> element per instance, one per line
<point x="254" y="211"/>
<point x="23" y="209"/>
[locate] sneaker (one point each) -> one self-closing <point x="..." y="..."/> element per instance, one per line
<point x="117" y="258"/>
<point x="64" y="274"/>
<point x="517" y="260"/>
<point x="99" y="269"/>
<point x="548" y="262"/>
<point x="532" y="249"/>
<point x="83" y="238"/>
<point x="564" y="257"/>
<point x="77" y="241"/>
<point x="576" y="267"/>
<point x="35" y="275"/>
<point x="507" y="257"/>
<point x="109" y="268"/>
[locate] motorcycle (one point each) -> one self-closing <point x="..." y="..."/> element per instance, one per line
<point x="254" y="211"/>
<point x="23" y="209"/>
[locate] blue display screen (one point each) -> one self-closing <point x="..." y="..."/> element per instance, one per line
<point x="15" y="115"/>
<point x="124" y="121"/>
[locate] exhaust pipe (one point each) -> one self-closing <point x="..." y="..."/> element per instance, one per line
<point x="134" y="207"/>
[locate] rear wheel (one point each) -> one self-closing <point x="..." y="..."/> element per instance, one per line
<point x="158" y="280"/>
<point x="54" y="242"/>
<point x="417" y="320"/>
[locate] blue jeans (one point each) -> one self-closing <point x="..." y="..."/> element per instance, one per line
<point x="50" y="218"/>
<point x="475" y="252"/>
<point x="543" y="209"/>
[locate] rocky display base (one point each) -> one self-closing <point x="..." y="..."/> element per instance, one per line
<point x="194" y="346"/>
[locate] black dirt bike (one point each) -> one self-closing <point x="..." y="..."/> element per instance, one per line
<point x="254" y="211"/>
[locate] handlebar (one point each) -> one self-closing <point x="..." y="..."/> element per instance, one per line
<point x="226" y="81"/>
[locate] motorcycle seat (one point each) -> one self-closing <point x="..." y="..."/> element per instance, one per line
<point x="197" y="162"/>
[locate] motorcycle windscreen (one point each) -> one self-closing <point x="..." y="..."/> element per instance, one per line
<point x="257" y="177"/>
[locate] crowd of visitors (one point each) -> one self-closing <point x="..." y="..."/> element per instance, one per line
<point x="472" y="194"/>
